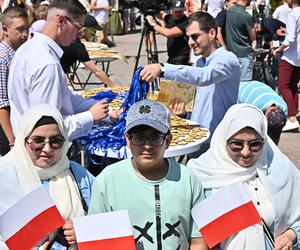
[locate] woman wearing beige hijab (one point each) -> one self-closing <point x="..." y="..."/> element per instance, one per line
<point x="39" y="157"/>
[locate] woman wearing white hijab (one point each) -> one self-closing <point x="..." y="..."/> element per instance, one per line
<point x="240" y="150"/>
<point x="39" y="157"/>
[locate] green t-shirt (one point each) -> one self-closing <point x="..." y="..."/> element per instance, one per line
<point x="238" y="24"/>
<point x="159" y="210"/>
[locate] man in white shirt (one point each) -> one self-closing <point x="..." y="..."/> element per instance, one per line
<point x="282" y="11"/>
<point x="289" y="67"/>
<point x="36" y="75"/>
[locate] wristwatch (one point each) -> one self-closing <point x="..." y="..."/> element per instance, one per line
<point x="162" y="70"/>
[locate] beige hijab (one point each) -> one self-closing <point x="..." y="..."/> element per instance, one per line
<point x="62" y="186"/>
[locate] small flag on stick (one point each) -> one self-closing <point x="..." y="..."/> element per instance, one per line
<point x="109" y="231"/>
<point x="225" y="213"/>
<point x="29" y="220"/>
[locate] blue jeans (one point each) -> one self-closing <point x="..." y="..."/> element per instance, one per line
<point x="246" y="65"/>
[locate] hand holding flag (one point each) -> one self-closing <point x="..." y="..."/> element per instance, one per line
<point x="225" y="213"/>
<point x="28" y="221"/>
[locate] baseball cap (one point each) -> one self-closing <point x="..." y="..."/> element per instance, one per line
<point x="47" y="3"/>
<point x="276" y="118"/>
<point x="149" y="113"/>
<point x="177" y="4"/>
<point x="91" y="22"/>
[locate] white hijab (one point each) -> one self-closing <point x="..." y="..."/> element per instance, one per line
<point x="62" y="186"/>
<point x="215" y="169"/>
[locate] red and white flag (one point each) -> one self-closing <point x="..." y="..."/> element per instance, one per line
<point x="225" y="213"/>
<point x="109" y="231"/>
<point x="29" y="220"/>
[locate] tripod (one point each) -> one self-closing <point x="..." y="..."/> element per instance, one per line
<point x="151" y="46"/>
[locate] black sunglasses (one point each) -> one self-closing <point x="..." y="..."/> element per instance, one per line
<point x="238" y="145"/>
<point x="39" y="142"/>
<point x="195" y="36"/>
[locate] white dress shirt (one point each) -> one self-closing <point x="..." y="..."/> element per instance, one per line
<point x="281" y="12"/>
<point x="292" y="38"/>
<point x="36" y="77"/>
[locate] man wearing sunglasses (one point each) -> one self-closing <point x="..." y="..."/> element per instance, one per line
<point x="36" y="75"/>
<point x="216" y="74"/>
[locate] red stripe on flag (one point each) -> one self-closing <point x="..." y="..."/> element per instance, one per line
<point x="230" y="223"/>
<point x="124" y="243"/>
<point x="36" y="229"/>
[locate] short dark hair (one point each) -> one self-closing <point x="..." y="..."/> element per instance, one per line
<point x="73" y="7"/>
<point x="206" y="21"/>
<point x="13" y="12"/>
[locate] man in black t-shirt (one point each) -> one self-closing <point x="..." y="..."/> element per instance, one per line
<point x="173" y="26"/>
<point x="221" y="22"/>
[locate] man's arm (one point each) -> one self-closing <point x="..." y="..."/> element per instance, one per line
<point x="167" y="32"/>
<point x="99" y="73"/>
<point x="252" y="34"/>
<point x="49" y="85"/>
<point x="221" y="23"/>
<point x="226" y="68"/>
<point x="6" y="125"/>
<point x="220" y="37"/>
<point x="290" y="36"/>
<point x="4" y="104"/>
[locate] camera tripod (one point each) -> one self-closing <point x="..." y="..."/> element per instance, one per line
<point x="151" y="46"/>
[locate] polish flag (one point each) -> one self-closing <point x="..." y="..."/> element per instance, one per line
<point x="109" y="231"/>
<point x="29" y="220"/>
<point x="225" y="213"/>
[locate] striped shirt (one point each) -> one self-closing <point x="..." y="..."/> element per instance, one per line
<point x="260" y="95"/>
<point x="6" y="55"/>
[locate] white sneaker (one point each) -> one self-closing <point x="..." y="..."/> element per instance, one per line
<point x="290" y="125"/>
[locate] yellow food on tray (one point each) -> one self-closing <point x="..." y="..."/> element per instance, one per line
<point x="183" y="132"/>
<point x="106" y="53"/>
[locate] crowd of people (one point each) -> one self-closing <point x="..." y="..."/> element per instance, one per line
<point x="40" y="115"/>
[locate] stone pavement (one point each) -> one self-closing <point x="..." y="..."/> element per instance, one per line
<point x="121" y="73"/>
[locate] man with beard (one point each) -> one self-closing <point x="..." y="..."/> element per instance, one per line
<point x="216" y="74"/>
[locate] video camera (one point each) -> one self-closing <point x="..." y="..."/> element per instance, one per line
<point x="148" y="7"/>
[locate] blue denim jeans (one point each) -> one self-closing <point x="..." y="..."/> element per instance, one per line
<point x="246" y="65"/>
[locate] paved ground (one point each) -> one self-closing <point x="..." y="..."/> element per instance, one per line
<point x="121" y="73"/>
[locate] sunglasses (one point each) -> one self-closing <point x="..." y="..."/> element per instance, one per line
<point x="195" y="36"/>
<point x="238" y="145"/>
<point x="39" y="142"/>
<point x="77" y="25"/>
<point x="154" y="140"/>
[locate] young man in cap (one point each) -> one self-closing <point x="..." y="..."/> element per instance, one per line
<point x="173" y="26"/>
<point x="146" y="184"/>
<point x="76" y="51"/>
